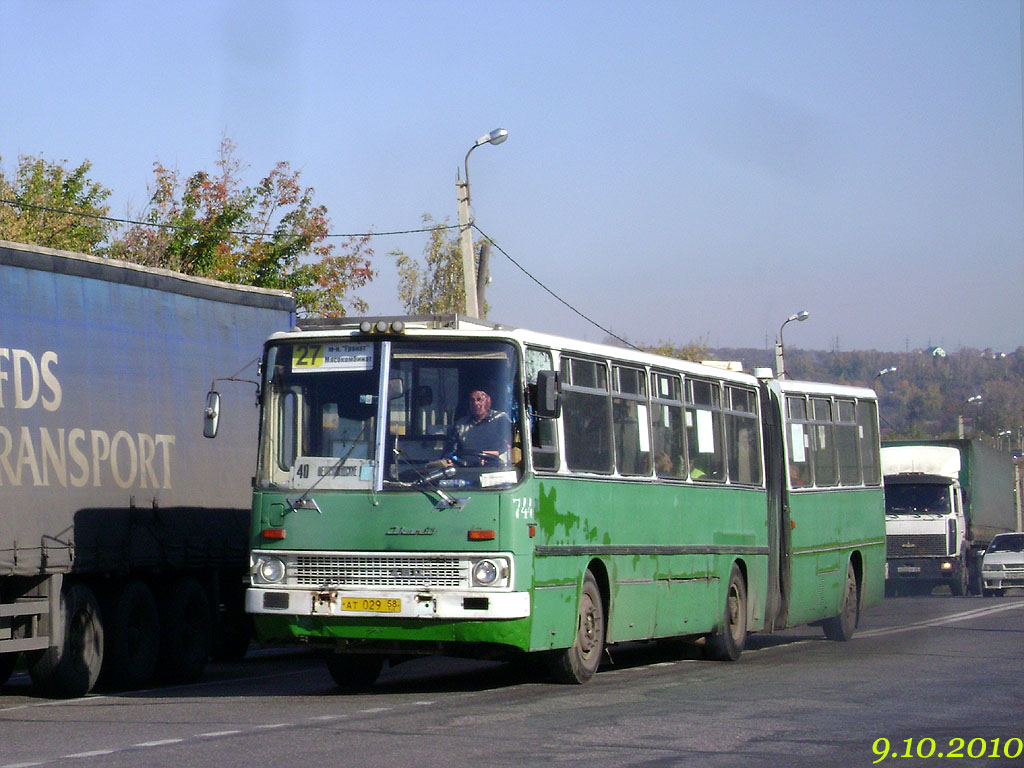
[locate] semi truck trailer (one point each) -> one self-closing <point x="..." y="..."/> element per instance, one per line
<point x="944" y="502"/>
<point x="123" y="533"/>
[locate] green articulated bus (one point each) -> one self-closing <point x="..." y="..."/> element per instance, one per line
<point x="439" y="485"/>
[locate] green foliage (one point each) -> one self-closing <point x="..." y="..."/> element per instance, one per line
<point x="695" y="351"/>
<point x="272" y="235"/>
<point x="435" y="287"/>
<point x="41" y="191"/>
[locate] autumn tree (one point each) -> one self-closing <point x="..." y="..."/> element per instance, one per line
<point x="272" y="235"/>
<point x="435" y="286"/>
<point x="46" y="203"/>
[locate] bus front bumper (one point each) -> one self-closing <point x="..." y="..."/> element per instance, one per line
<point x="335" y="603"/>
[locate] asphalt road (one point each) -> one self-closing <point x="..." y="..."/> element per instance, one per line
<point x="919" y="669"/>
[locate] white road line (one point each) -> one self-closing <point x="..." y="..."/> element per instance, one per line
<point x="93" y="753"/>
<point x="215" y="734"/>
<point x="943" y="620"/>
<point x="158" y="743"/>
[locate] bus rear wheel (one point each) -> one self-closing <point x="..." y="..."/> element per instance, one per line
<point x="841" y="626"/>
<point x="578" y="663"/>
<point x="729" y="640"/>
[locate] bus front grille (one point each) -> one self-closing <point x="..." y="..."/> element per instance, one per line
<point x="381" y="571"/>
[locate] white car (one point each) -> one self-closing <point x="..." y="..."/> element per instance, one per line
<point x="1003" y="564"/>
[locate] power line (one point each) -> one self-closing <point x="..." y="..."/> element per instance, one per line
<point x="555" y="295"/>
<point x="240" y="233"/>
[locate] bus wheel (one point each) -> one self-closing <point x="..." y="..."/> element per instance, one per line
<point x="7" y="662"/>
<point x="186" y="631"/>
<point x="71" y="666"/>
<point x="133" y="634"/>
<point x="728" y="641"/>
<point x="841" y="626"/>
<point x="354" y="670"/>
<point x="578" y="663"/>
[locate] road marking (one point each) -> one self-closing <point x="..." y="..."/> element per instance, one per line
<point x="93" y="753"/>
<point x="944" y="620"/>
<point x="158" y="743"/>
<point x="214" y="734"/>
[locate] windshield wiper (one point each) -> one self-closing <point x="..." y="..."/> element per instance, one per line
<point x="305" y="501"/>
<point x="430" y="479"/>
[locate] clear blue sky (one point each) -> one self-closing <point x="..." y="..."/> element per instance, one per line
<point x="678" y="171"/>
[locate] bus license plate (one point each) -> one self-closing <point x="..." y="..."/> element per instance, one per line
<point x="372" y="604"/>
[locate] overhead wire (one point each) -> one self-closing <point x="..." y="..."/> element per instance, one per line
<point x="242" y="233"/>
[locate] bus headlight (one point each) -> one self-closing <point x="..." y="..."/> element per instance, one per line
<point x="270" y="570"/>
<point x="490" y="572"/>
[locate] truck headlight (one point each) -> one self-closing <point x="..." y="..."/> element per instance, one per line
<point x="270" y="569"/>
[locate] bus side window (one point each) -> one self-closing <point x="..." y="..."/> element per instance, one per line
<point x="801" y="473"/>
<point x="630" y="421"/>
<point x="821" y="440"/>
<point x="846" y="443"/>
<point x="668" y="426"/>
<point x="741" y="433"/>
<point x="704" y="431"/>
<point x="867" y="433"/>
<point x="543" y="432"/>
<point x="586" y="415"/>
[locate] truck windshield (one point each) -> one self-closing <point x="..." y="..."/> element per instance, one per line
<point x="448" y="414"/>
<point x="916" y="499"/>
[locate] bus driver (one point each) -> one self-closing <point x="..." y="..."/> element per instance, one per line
<point x="482" y="437"/>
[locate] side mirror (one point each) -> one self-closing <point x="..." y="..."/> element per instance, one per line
<point x="547" y="402"/>
<point x="211" y="416"/>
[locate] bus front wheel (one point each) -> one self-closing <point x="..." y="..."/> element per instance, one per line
<point x="353" y="670"/>
<point x="728" y="641"/>
<point x="578" y="663"/>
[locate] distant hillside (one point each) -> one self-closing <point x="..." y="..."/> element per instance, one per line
<point x="924" y="397"/>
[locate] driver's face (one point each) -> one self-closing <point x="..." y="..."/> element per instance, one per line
<point x="479" y="405"/>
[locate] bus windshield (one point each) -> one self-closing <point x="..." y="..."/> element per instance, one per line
<point x="391" y="415"/>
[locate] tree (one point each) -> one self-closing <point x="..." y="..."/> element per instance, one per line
<point x="436" y="287"/>
<point x="45" y="202"/>
<point x="272" y="235"/>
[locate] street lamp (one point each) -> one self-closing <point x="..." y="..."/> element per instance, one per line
<point x="780" y="358"/>
<point x="496" y="136"/>
<point x="883" y="372"/>
<point x="960" y="416"/>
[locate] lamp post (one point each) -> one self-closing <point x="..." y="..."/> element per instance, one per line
<point x="881" y="373"/>
<point x="960" y="415"/>
<point x="780" y="353"/>
<point x="496" y="136"/>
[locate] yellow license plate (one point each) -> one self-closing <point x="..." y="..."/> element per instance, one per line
<point x="372" y="604"/>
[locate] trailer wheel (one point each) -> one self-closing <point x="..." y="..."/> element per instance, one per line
<point x="186" y="631"/>
<point x="841" y="626"/>
<point x="71" y="667"/>
<point x="7" y="662"/>
<point x="132" y="620"/>
<point x="578" y="663"/>
<point x="729" y="640"/>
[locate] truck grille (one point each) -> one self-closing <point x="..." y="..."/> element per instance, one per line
<point x="381" y="571"/>
<point x="916" y="545"/>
